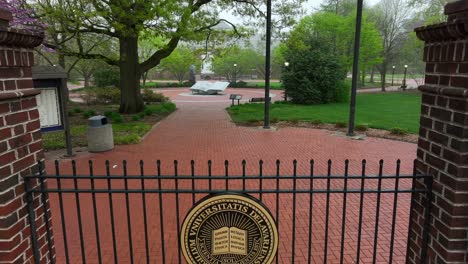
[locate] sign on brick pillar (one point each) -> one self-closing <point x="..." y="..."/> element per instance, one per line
<point x="20" y="146"/>
<point x="443" y="142"/>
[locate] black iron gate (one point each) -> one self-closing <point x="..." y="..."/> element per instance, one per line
<point x="134" y="219"/>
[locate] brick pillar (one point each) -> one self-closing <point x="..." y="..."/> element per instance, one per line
<point x="20" y="144"/>
<point x="443" y="141"/>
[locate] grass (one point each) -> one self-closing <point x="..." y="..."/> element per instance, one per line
<point x="126" y="129"/>
<point x="387" y="111"/>
<point x="273" y="85"/>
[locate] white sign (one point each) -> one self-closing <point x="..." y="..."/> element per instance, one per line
<point x="49" y="108"/>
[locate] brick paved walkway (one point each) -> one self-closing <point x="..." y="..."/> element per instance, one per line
<point x="201" y="130"/>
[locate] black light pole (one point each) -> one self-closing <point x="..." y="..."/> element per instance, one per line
<point x="404" y="78"/>
<point x="357" y="44"/>
<point x="266" y="124"/>
<point x="393" y="74"/>
<point x="286" y="65"/>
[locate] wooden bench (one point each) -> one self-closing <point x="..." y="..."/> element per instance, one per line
<point x="258" y="99"/>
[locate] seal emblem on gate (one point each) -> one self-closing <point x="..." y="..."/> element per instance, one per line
<point x="229" y="228"/>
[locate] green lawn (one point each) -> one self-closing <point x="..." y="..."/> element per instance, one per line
<point x="273" y="85"/>
<point x="382" y="111"/>
<point x="129" y="131"/>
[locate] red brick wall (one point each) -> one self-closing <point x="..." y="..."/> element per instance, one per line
<point x="443" y="141"/>
<point x="20" y="145"/>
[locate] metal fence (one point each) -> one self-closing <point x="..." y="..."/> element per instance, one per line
<point x="127" y="219"/>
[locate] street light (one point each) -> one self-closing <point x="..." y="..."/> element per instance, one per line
<point x="266" y="122"/>
<point x="393" y="74"/>
<point x="354" y="82"/>
<point x="404" y="78"/>
<point x="286" y="65"/>
<point x="235" y="73"/>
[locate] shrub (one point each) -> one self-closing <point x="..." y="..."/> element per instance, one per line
<point x="141" y="115"/>
<point x="398" y="131"/>
<point x="151" y="97"/>
<point x="362" y="127"/>
<point x="108" y="95"/>
<point x="135" y="118"/>
<point x="117" y="118"/>
<point x="341" y="124"/>
<point x="107" y="76"/>
<point x="239" y="84"/>
<point x="343" y="92"/>
<point x="316" y="75"/>
<point x="316" y="122"/>
<point x="147" y="112"/>
<point x="77" y="110"/>
<point x="109" y="113"/>
<point x="89" y="113"/>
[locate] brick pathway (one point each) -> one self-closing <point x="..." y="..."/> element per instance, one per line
<point x="201" y="130"/>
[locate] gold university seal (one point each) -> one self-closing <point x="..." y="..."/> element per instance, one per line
<point x="229" y="228"/>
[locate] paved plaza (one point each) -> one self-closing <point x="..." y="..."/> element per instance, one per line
<point x="201" y="130"/>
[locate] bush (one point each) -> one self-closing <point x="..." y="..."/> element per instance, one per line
<point x="107" y="76"/>
<point x="239" y="84"/>
<point x="316" y="75"/>
<point x="108" y="95"/>
<point x="341" y="124"/>
<point x="316" y="122"/>
<point x="147" y="112"/>
<point x="109" y="113"/>
<point x="151" y="97"/>
<point x="362" y="127"/>
<point x="77" y="110"/>
<point x="89" y="113"/>
<point x="117" y="118"/>
<point x="136" y="118"/>
<point x="398" y="131"/>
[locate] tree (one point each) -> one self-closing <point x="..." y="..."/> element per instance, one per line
<point x="326" y="26"/>
<point x="234" y="62"/>
<point x="179" y="62"/>
<point x="315" y="75"/>
<point x="430" y="11"/>
<point x="23" y="17"/>
<point x="86" y="69"/>
<point x="390" y="17"/>
<point x="125" y="21"/>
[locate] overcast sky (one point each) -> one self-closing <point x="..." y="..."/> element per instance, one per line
<point x="316" y="3"/>
<point x="311" y="5"/>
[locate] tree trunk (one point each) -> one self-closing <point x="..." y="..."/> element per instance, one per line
<point x="383" y="76"/>
<point x="372" y="75"/>
<point x="61" y="60"/>
<point x="86" y="80"/>
<point x="363" y="79"/>
<point x="130" y="100"/>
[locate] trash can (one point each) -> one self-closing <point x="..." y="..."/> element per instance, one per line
<point x="99" y="134"/>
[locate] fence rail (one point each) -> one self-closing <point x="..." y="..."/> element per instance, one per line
<point x="137" y="218"/>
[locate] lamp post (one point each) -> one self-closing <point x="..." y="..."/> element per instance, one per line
<point x="266" y="122"/>
<point x="357" y="44"/>
<point x="286" y="65"/>
<point x="404" y="78"/>
<point x="235" y="73"/>
<point x="393" y="74"/>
